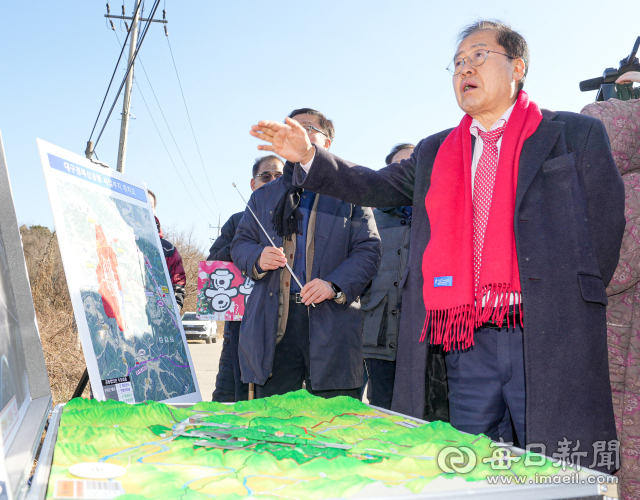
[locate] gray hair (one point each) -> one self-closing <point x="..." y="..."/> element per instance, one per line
<point x="513" y="42"/>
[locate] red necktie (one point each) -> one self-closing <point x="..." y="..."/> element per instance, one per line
<point x="485" y="179"/>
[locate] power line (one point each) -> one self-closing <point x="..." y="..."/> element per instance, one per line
<point x="191" y="125"/>
<point x="167" y="150"/>
<point x="174" y="139"/>
<point x="110" y="82"/>
<point x="155" y="6"/>
<point x="163" y="143"/>
<point x="144" y="34"/>
<point x="158" y="176"/>
<point x="130" y="66"/>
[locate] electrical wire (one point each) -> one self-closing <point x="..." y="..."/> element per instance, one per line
<point x="144" y="34"/>
<point x="158" y="176"/>
<point x="130" y="66"/>
<point x="110" y="82"/>
<point x="164" y="144"/>
<point x="169" y="154"/>
<point x="191" y="125"/>
<point x="174" y="139"/>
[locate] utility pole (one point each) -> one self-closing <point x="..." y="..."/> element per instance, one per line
<point x="126" y="103"/>
<point x="218" y="227"/>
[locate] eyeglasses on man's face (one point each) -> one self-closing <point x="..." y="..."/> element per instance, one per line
<point x="267" y="177"/>
<point x="311" y="130"/>
<point x="476" y="58"/>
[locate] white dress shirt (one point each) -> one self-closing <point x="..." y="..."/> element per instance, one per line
<point x="479" y="147"/>
<point x="477" y="153"/>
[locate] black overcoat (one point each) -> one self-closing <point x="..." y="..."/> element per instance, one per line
<point x="569" y="220"/>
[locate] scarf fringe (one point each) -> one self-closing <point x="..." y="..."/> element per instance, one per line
<point x="453" y="328"/>
<point x="291" y="226"/>
<point x="286" y="230"/>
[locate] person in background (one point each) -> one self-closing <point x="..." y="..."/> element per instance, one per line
<point x="229" y="386"/>
<point x="382" y="302"/>
<point x="334" y="250"/>
<point x="173" y="259"/>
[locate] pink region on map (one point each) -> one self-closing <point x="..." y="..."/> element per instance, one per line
<point x="108" y="281"/>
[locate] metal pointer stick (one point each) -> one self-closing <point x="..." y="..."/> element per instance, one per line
<point x="268" y="237"/>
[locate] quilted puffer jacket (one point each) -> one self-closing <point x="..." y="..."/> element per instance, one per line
<point x="622" y="121"/>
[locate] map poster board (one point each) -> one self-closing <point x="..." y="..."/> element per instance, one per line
<point x="129" y="323"/>
<point x="222" y="291"/>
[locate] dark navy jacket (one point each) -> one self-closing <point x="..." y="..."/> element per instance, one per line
<point x="347" y="253"/>
<point x="382" y="301"/>
<point x="221" y="250"/>
<point x="569" y="220"/>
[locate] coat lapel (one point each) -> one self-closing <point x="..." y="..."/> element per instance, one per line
<point x="325" y="206"/>
<point x="534" y="152"/>
<point x="311" y="238"/>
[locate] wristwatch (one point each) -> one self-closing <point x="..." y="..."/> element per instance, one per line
<point x="339" y="293"/>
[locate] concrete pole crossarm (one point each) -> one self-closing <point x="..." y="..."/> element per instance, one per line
<point x="163" y="21"/>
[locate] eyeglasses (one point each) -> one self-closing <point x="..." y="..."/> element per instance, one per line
<point x="310" y="130"/>
<point x="477" y="58"/>
<point x="267" y="177"/>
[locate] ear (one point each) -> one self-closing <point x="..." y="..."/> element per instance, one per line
<point x="253" y="184"/>
<point x="518" y="70"/>
<point x="327" y="143"/>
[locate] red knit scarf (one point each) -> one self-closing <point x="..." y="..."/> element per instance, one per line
<point x="454" y="307"/>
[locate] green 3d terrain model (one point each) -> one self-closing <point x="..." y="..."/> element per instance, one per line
<point x="292" y="446"/>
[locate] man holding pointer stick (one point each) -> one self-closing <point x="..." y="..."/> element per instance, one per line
<point x="302" y="323"/>
<point x="518" y="215"/>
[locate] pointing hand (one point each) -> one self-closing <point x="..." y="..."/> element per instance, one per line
<point x="288" y="140"/>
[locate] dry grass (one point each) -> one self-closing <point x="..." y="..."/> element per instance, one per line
<point x="192" y="252"/>
<point x="61" y="344"/>
<point x="58" y="332"/>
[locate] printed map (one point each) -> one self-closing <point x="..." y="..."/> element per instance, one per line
<point x="295" y="446"/>
<point x="126" y="298"/>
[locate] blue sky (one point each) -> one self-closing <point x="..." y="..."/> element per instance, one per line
<point x="377" y="68"/>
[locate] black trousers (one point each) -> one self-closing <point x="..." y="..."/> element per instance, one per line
<point x="291" y="360"/>
<point x="225" y="385"/>
<point x="382" y="375"/>
<point x="241" y="389"/>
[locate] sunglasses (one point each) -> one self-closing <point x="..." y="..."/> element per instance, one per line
<point x="267" y="177"/>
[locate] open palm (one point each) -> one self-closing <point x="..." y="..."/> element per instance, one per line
<point x="289" y="140"/>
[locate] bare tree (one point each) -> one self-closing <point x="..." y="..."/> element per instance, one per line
<point x="192" y="251"/>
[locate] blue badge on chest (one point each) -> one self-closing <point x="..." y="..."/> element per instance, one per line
<point x="443" y="281"/>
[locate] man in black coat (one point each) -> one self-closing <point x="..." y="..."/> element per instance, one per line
<point x="568" y="221"/>
<point x="333" y="249"/>
<point x="229" y="386"/>
<point x="225" y="390"/>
